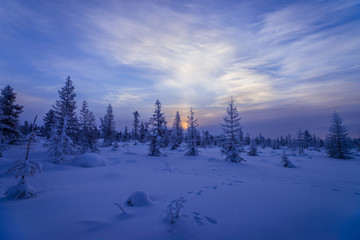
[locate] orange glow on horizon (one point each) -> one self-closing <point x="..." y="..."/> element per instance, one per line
<point x="184" y="125"/>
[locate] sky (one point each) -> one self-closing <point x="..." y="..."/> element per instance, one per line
<point x="288" y="64"/>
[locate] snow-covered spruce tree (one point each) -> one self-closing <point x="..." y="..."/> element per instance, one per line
<point x="191" y="140"/>
<point x="308" y="140"/>
<point x="177" y="132"/>
<point x="127" y="136"/>
<point x="23" y="169"/>
<point x="136" y="127"/>
<point x="65" y="108"/>
<point x="231" y="129"/>
<point x="49" y="123"/>
<point x="108" y="127"/>
<point x="88" y="130"/>
<point x="142" y="133"/>
<point x="206" y="139"/>
<point x="157" y="131"/>
<point x="285" y="162"/>
<point x="61" y="145"/>
<point x="167" y="136"/>
<point x="252" y="148"/>
<point x="337" y="143"/>
<point x="10" y="112"/>
<point x="300" y="141"/>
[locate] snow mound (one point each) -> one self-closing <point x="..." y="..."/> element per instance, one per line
<point x="21" y="191"/>
<point x="89" y="160"/>
<point x="138" y="199"/>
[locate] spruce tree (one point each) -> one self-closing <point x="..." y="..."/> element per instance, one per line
<point x="192" y="149"/>
<point x="177" y="132"/>
<point x="64" y="136"/>
<point x="65" y="108"/>
<point x="337" y="142"/>
<point x="252" y="148"/>
<point x="158" y="130"/>
<point x="61" y="144"/>
<point x="49" y="123"/>
<point x="231" y="129"/>
<point x="206" y="139"/>
<point x="9" y="120"/>
<point x="88" y="130"/>
<point x="142" y="133"/>
<point x="126" y="137"/>
<point x="136" y="126"/>
<point x="308" y="140"/>
<point x="108" y="127"/>
<point x="300" y="141"/>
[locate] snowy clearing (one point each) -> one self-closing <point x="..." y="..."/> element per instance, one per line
<point x="319" y="199"/>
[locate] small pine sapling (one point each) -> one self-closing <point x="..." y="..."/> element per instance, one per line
<point x="22" y="169"/>
<point x="285" y="162"/>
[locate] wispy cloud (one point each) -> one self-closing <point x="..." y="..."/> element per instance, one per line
<point x="125" y="96"/>
<point x="182" y="53"/>
<point x="129" y="53"/>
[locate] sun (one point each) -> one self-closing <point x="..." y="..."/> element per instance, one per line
<point x="184" y="125"/>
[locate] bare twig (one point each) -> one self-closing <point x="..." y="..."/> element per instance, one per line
<point x="117" y="204"/>
<point x="178" y="206"/>
<point x="172" y="216"/>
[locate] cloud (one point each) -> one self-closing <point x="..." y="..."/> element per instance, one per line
<point x="300" y="54"/>
<point x="181" y="54"/>
<point x="125" y="96"/>
<point x="288" y="51"/>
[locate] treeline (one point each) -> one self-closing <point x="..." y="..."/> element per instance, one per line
<point x="67" y="133"/>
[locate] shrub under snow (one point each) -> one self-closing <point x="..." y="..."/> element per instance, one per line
<point x="285" y="162"/>
<point x="89" y="160"/>
<point x="21" y="191"/>
<point x="138" y="199"/>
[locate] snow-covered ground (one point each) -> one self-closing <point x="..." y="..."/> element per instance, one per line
<point x="320" y="199"/>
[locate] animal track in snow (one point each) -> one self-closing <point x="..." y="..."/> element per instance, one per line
<point x="335" y="190"/>
<point x="211" y="220"/>
<point x="198" y="219"/>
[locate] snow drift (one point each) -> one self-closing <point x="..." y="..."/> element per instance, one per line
<point x="89" y="160"/>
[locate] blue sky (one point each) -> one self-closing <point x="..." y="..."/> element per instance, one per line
<point x="288" y="64"/>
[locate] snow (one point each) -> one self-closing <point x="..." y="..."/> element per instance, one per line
<point x="89" y="160"/>
<point x="21" y="191"/>
<point x="258" y="199"/>
<point x="137" y="199"/>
